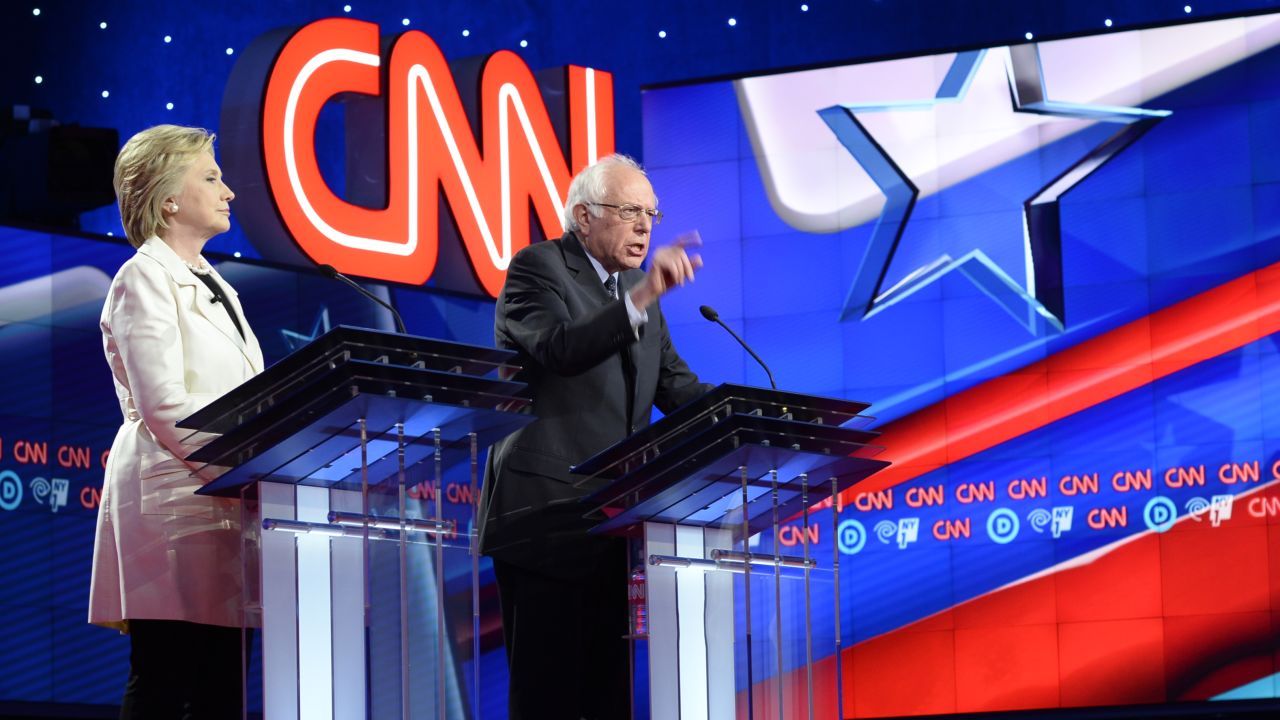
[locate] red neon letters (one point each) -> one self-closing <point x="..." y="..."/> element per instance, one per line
<point x="430" y="146"/>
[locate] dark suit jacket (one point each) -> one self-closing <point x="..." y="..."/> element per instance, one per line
<point x="593" y="383"/>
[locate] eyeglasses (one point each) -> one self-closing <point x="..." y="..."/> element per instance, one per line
<point x="627" y="213"/>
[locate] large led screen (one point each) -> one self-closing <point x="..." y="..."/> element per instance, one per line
<point x="1054" y="271"/>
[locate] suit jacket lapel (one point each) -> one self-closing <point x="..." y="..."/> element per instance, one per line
<point x="583" y="272"/>
<point x="157" y="249"/>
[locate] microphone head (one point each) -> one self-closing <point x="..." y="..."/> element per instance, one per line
<point x="327" y="271"/>
<point x="709" y="313"/>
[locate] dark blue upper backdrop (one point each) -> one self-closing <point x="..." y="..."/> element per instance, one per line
<point x="78" y="60"/>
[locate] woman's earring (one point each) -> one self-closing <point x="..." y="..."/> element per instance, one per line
<point x="173" y="207"/>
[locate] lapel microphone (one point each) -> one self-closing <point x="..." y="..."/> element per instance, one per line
<point x="709" y="313"/>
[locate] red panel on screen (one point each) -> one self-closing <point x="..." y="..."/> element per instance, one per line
<point x="1027" y="603"/>
<point x="1273" y="555"/>
<point x="1112" y="662"/>
<point x="907" y="673"/>
<point x="1006" y="668"/>
<point x="1123" y="584"/>
<point x="1212" y="570"/>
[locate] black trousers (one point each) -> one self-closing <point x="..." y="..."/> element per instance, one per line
<point x="183" y="670"/>
<point x="564" y="638"/>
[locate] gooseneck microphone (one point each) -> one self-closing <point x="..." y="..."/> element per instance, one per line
<point x="710" y="313"/>
<point x="329" y="271"/>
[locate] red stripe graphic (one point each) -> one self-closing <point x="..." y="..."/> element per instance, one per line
<point x="1182" y="615"/>
<point x="1219" y="320"/>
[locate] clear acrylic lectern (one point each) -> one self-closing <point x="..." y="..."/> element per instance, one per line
<point x="356" y="462"/>
<point x="735" y="623"/>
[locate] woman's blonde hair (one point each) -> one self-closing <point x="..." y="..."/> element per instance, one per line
<point x="149" y="169"/>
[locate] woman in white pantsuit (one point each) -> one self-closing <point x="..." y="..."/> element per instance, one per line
<point x="167" y="563"/>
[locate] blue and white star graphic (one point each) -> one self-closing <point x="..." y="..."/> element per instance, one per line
<point x="1040" y="293"/>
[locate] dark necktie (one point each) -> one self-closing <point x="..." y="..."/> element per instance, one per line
<point x="628" y="367"/>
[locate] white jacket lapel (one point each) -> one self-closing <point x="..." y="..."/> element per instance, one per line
<point x="204" y="305"/>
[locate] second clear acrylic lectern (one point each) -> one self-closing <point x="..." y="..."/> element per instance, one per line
<point x="735" y="624"/>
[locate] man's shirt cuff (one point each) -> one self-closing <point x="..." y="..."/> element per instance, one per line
<point x="637" y="317"/>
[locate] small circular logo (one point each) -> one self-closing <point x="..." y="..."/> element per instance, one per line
<point x="851" y="536"/>
<point x="1160" y="513"/>
<point x="10" y="490"/>
<point x="40" y="489"/>
<point x="1039" y="519"/>
<point x="1196" y="507"/>
<point x="886" y="530"/>
<point x="1002" y="525"/>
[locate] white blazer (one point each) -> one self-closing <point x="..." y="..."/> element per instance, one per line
<point x="161" y="552"/>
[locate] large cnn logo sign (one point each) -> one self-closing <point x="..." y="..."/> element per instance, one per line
<point x="396" y="128"/>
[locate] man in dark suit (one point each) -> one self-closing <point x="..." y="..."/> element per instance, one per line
<point x="597" y="356"/>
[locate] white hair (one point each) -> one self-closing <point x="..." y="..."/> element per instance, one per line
<point x="589" y="186"/>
